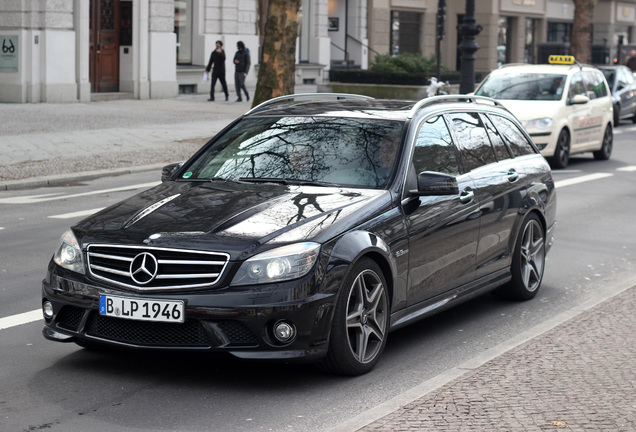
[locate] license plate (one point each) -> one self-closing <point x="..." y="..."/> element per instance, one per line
<point x="142" y="309"/>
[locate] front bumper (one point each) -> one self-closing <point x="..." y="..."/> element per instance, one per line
<point x="238" y="322"/>
<point x="545" y="141"/>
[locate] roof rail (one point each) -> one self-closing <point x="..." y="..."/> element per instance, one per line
<point x="452" y="98"/>
<point x="291" y="97"/>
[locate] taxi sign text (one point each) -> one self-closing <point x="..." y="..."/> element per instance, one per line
<point x="561" y="59"/>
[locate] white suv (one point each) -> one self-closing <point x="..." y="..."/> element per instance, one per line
<point x="566" y="109"/>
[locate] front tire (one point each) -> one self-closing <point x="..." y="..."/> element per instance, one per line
<point x="606" y="148"/>
<point x="528" y="262"/>
<point x="561" y="156"/>
<point x="360" y="323"/>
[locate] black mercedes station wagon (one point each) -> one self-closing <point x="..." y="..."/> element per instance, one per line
<point x="310" y="228"/>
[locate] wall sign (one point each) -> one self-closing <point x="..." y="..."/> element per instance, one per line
<point x="9" y="45"/>
<point x="333" y="23"/>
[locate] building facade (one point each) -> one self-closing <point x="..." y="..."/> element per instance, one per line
<point x="74" y="50"/>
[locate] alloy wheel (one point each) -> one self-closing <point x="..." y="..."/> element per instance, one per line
<point x="367" y="315"/>
<point x="532" y="255"/>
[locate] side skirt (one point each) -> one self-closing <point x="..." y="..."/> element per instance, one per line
<point x="449" y="299"/>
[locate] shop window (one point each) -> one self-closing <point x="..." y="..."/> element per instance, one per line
<point x="559" y="32"/>
<point x="503" y="41"/>
<point x="405" y="32"/>
<point x="183" y="29"/>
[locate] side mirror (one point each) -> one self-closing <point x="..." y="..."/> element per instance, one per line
<point x="580" y="99"/>
<point x="168" y="170"/>
<point x="434" y="183"/>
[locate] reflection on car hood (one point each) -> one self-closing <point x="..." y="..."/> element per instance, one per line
<point x="231" y="216"/>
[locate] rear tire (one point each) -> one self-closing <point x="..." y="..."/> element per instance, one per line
<point x="528" y="262"/>
<point x="561" y="156"/>
<point x="360" y="323"/>
<point x="606" y="148"/>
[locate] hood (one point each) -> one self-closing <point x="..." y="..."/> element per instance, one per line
<point x="230" y="217"/>
<point x="526" y="110"/>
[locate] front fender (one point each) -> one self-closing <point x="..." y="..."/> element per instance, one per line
<point x="357" y="244"/>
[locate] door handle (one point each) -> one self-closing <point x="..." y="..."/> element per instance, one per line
<point x="466" y="196"/>
<point x="513" y="175"/>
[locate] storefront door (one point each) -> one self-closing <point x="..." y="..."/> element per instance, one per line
<point x="104" y="45"/>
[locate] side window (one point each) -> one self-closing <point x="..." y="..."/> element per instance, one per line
<point x="516" y="140"/>
<point x="497" y="141"/>
<point x="622" y="78"/>
<point x="434" y="149"/>
<point x="577" y="87"/>
<point x="594" y="84"/>
<point x="472" y="140"/>
<point x="629" y="77"/>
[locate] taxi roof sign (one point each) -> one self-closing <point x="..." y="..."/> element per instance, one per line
<point x="561" y="59"/>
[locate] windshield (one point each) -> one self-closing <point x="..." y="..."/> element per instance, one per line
<point x="610" y="75"/>
<point x="523" y="86"/>
<point x="297" y="150"/>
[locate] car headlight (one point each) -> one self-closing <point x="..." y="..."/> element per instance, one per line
<point x="69" y="254"/>
<point x="540" y="123"/>
<point x="280" y="264"/>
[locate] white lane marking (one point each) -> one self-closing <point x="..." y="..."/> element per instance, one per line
<point x="76" y="214"/>
<point x="624" y="129"/>
<point x="627" y="169"/>
<point x="32" y="199"/>
<point x="582" y="179"/>
<point x="564" y="171"/>
<point x="23" y="318"/>
<point x="1" y="228"/>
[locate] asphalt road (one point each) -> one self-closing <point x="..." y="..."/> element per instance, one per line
<point x="60" y="387"/>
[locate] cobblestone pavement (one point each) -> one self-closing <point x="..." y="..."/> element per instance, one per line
<point x="580" y="376"/>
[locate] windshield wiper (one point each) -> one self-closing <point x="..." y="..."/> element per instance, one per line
<point x="287" y="181"/>
<point x="264" y="180"/>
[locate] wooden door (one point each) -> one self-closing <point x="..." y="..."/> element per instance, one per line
<point x="104" y="45"/>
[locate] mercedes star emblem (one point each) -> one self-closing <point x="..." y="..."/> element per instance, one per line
<point x="143" y="268"/>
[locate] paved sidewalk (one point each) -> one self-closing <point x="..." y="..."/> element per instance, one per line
<point x="47" y="144"/>
<point x="579" y="376"/>
<point x="576" y="373"/>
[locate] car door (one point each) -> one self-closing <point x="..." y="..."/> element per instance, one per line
<point x="443" y="230"/>
<point x="499" y="185"/>
<point x="628" y="95"/>
<point x="578" y="115"/>
<point x="503" y="183"/>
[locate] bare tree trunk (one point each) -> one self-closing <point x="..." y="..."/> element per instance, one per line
<point x="581" y="45"/>
<point x="262" y="19"/>
<point x="277" y="65"/>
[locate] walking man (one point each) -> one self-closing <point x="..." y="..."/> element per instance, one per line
<point x="242" y="66"/>
<point x="217" y="64"/>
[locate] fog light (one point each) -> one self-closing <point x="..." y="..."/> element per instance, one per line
<point x="284" y="332"/>
<point x="47" y="309"/>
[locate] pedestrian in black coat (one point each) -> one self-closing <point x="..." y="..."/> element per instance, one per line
<point x="241" y="67"/>
<point x="217" y="65"/>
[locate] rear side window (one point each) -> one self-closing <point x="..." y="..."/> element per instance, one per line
<point x="513" y="137"/>
<point x="594" y="84"/>
<point x="434" y="148"/>
<point x="472" y="140"/>
<point x="495" y="138"/>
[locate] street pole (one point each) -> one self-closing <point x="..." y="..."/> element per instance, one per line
<point x="441" y="18"/>
<point x="468" y="29"/>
